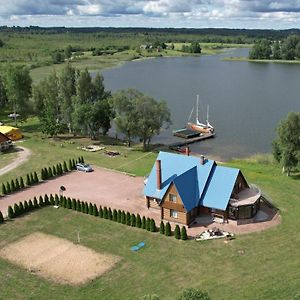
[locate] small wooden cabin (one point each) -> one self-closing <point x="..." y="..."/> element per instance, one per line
<point x="5" y="142"/>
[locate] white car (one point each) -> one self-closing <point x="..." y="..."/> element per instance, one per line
<point x="84" y="167"/>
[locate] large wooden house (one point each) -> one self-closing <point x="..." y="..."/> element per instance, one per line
<point x="5" y="142"/>
<point x="184" y="187"/>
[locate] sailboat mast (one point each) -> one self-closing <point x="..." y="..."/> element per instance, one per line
<point x="207" y="115"/>
<point x="197" y="109"/>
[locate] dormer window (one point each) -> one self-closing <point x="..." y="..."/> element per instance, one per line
<point x="173" y="198"/>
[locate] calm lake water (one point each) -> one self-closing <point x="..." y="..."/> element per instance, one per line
<point x="246" y="100"/>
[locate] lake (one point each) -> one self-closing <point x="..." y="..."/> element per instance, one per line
<point x="246" y="99"/>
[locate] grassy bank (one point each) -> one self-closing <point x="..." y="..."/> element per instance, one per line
<point x="276" y="61"/>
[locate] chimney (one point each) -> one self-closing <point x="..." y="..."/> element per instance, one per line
<point x="158" y="174"/>
<point x="187" y="151"/>
<point x="202" y="159"/>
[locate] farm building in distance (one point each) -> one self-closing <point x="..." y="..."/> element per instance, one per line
<point x="185" y="187"/>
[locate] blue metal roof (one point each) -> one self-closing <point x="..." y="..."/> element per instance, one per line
<point x="208" y="185"/>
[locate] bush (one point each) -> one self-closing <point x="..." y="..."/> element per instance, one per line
<point x="123" y="217"/>
<point x="4" y="192"/>
<point x="183" y="233"/>
<point x="51" y="199"/>
<point x="65" y="167"/>
<point x="82" y="207"/>
<point x="144" y="222"/>
<point x="1" y="217"/>
<point x="50" y="174"/>
<point x="100" y="212"/>
<point x="168" y="229"/>
<point x="28" y="182"/>
<point x="95" y="211"/>
<point x="17" y="184"/>
<point x="46" y="199"/>
<point x="152" y="225"/>
<point x="54" y="171"/>
<point x="177" y="232"/>
<point x="21" y="208"/>
<point x="70" y="165"/>
<point x="22" y="185"/>
<point x="119" y="216"/>
<point x="193" y="294"/>
<point x="31" y="179"/>
<point x="46" y="173"/>
<point x="35" y="178"/>
<point x="90" y="208"/>
<point x="8" y="189"/>
<point x="128" y="219"/>
<point x="73" y="164"/>
<point x="133" y="220"/>
<point x="43" y="177"/>
<point x="110" y="216"/>
<point x="162" y="228"/>
<point x="16" y="210"/>
<point x="10" y="212"/>
<point x="105" y="213"/>
<point x="41" y="201"/>
<point x="35" y="203"/>
<point x="26" y="206"/>
<point x="115" y="215"/>
<point x="74" y="204"/>
<point x="31" y="206"/>
<point x="138" y="221"/>
<point x="148" y="224"/>
<point x="12" y="186"/>
<point x="86" y="208"/>
<point x="78" y="206"/>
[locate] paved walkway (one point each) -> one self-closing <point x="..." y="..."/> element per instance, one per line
<point x="116" y="190"/>
<point x="23" y="155"/>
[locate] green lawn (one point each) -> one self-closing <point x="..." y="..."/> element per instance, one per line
<point x="7" y="157"/>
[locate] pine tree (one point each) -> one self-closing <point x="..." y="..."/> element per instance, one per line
<point x="56" y="200"/>
<point x="28" y="182"/>
<point x="65" y="168"/>
<point x="61" y="201"/>
<point x="17" y="184"/>
<point x="82" y="159"/>
<point x="144" y="222"/>
<point x="105" y="213"/>
<point x="46" y="173"/>
<point x="95" y="210"/>
<point x="90" y="209"/>
<point x="183" y="233"/>
<point x="133" y="220"/>
<point x="128" y="219"/>
<point x="69" y="203"/>
<point x="86" y="208"/>
<point x="12" y="186"/>
<point x="110" y="216"/>
<point x="82" y="207"/>
<point x="74" y="204"/>
<point x="162" y="228"/>
<point x="70" y="165"/>
<point x="177" y="232"/>
<point x="43" y="177"/>
<point x="50" y="174"/>
<point x="119" y="216"/>
<point x="73" y="164"/>
<point x="26" y="206"/>
<point x="138" y="221"/>
<point x="78" y="205"/>
<point x="8" y="189"/>
<point x="58" y="169"/>
<point x="115" y="215"/>
<point x="35" y="203"/>
<point x="16" y="210"/>
<point x="4" y="192"/>
<point x="123" y="217"/>
<point x="35" y="178"/>
<point x="152" y="225"/>
<point x="1" y="217"/>
<point x="54" y="171"/>
<point x="100" y="212"/>
<point x="168" y="229"/>
<point x="21" y="208"/>
<point x="148" y="224"/>
<point x="51" y="199"/>
<point x="22" y="185"/>
<point x="46" y="199"/>
<point x="30" y="204"/>
<point x="31" y="179"/>
<point x="10" y="212"/>
<point x="41" y="201"/>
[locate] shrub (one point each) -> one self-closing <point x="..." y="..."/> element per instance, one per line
<point x="12" y="186"/>
<point x="4" y="192"/>
<point x="152" y="225"/>
<point x="1" y="217"/>
<point x="193" y="294"/>
<point x="43" y="177"/>
<point x="54" y="171"/>
<point x="61" y="200"/>
<point x="46" y="173"/>
<point x="10" y="212"/>
<point x="65" y="168"/>
<point x="78" y="205"/>
<point x="26" y="206"/>
<point x="21" y="208"/>
<point x="51" y="199"/>
<point x="30" y="204"/>
<point x="95" y="211"/>
<point x="17" y="184"/>
<point x="82" y="207"/>
<point x="16" y="210"/>
<point x="168" y="229"/>
<point x="144" y="222"/>
<point x="69" y="203"/>
<point x="105" y="213"/>
<point x="35" y="203"/>
<point x="183" y="233"/>
<point x="123" y="217"/>
<point x="8" y="189"/>
<point x="128" y="219"/>
<point x="46" y="199"/>
<point x="70" y="165"/>
<point x="133" y="220"/>
<point x="150" y="297"/>
<point x="74" y="204"/>
<point x="119" y="216"/>
<point x="28" y="182"/>
<point x="138" y="221"/>
<point x="162" y="228"/>
<point x="148" y="224"/>
<point x="35" y="178"/>
<point x="115" y="215"/>
<point x="100" y="212"/>
<point x="90" y="208"/>
<point x="177" y="232"/>
<point x="110" y="216"/>
<point x="86" y="208"/>
<point x="41" y="201"/>
<point x="73" y="164"/>
<point x="31" y="179"/>
<point x="82" y="159"/>
<point x="22" y="183"/>
<point x="50" y="174"/>
<point x="56" y="200"/>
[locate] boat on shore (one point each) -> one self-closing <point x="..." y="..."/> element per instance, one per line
<point x="198" y="126"/>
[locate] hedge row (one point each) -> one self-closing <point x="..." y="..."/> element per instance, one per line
<point x="46" y="173"/>
<point x="119" y="216"/>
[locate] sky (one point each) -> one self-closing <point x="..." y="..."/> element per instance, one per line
<point x="258" y="14"/>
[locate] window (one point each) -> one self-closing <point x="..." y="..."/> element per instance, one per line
<point x="174" y="213"/>
<point x="172" y="198"/>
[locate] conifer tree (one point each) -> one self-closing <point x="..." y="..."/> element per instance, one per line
<point x="82" y="159"/>
<point x="177" y="232"/>
<point x="162" y="228"/>
<point x="35" y="203"/>
<point x="70" y="165"/>
<point x="105" y="213"/>
<point x="86" y="208"/>
<point x="12" y="186"/>
<point x="148" y="224"/>
<point x="183" y="233"/>
<point x="17" y="184"/>
<point x="78" y="205"/>
<point x="115" y="215"/>
<point x="50" y="174"/>
<point x="46" y="200"/>
<point x="133" y="220"/>
<point x="46" y="173"/>
<point x="152" y="225"/>
<point x="56" y="200"/>
<point x="144" y="222"/>
<point x="69" y="203"/>
<point x="43" y="177"/>
<point x="90" y="209"/>
<point x="119" y="216"/>
<point x="22" y="183"/>
<point x="10" y="212"/>
<point x="35" y="178"/>
<point x="73" y="164"/>
<point x="100" y="212"/>
<point x="21" y="208"/>
<point x="168" y="229"/>
<point x="1" y="217"/>
<point x="51" y="199"/>
<point x="26" y="206"/>
<point x="65" y="168"/>
<point x="138" y="221"/>
<point x="16" y="210"/>
<point x="54" y="171"/>
<point x="58" y="169"/>
<point x="73" y="204"/>
<point x="123" y="217"/>
<point x="128" y="219"/>
<point x="41" y="201"/>
<point x="110" y="216"/>
<point x="30" y="204"/>
<point x="28" y="182"/>
<point x="82" y="207"/>
<point x="31" y="179"/>
<point x="8" y="189"/>
<point x="61" y="200"/>
<point x="4" y="192"/>
<point x="95" y="210"/>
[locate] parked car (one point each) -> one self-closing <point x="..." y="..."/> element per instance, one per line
<point x="84" y="167"/>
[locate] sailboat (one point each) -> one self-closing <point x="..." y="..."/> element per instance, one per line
<point x="198" y="126"/>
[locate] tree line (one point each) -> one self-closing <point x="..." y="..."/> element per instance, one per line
<point x="287" y="49"/>
<point x="75" y="102"/>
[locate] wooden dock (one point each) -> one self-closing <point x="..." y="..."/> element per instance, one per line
<point x="200" y="138"/>
<point x="186" y="133"/>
